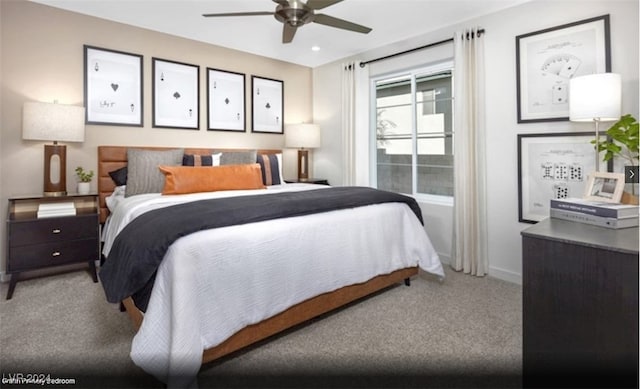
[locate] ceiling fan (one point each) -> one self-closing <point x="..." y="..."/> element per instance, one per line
<point x="295" y="13"/>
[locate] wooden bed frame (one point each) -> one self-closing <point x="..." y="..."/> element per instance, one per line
<point x="114" y="157"/>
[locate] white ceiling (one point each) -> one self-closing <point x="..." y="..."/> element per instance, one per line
<point x="391" y="21"/>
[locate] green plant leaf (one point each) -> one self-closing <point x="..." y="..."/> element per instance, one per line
<point x="623" y="139"/>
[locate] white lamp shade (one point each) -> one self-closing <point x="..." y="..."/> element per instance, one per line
<point x="596" y="96"/>
<point x="302" y="136"/>
<point x="56" y="122"/>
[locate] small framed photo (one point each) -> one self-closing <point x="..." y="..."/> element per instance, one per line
<point x="547" y="59"/>
<point x="605" y="187"/>
<point x="112" y="87"/>
<point x="267" y="105"/>
<point x="225" y="101"/>
<point x="176" y="91"/>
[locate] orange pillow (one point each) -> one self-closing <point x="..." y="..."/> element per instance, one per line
<point x="193" y="179"/>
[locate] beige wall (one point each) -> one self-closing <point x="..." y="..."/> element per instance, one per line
<point x="42" y="60"/>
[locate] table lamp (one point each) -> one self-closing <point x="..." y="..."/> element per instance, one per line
<point x="302" y="136"/>
<point x="53" y="122"/>
<point x="596" y="98"/>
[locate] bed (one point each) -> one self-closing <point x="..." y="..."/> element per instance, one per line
<point x="246" y="282"/>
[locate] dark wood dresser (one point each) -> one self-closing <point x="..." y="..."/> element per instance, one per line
<point x="580" y="305"/>
<point x="36" y="242"/>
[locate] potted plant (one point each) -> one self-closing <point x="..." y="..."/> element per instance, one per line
<point x="622" y="140"/>
<point x="84" y="180"/>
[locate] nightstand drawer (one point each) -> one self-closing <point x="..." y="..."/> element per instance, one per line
<point x="56" y="229"/>
<point x="52" y="254"/>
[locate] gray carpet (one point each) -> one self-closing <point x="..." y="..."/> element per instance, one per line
<point x="463" y="332"/>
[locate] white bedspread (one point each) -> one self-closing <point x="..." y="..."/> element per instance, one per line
<point x="215" y="282"/>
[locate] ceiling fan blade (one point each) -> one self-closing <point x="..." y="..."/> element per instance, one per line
<point x="288" y="32"/>
<point x="238" y="14"/>
<point x="320" y="4"/>
<point x="340" y="23"/>
<point x="283" y="3"/>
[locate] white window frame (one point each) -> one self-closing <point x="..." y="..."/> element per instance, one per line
<point x="412" y="73"/>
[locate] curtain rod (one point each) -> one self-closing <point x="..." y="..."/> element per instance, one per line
<point x="363" y="64"/>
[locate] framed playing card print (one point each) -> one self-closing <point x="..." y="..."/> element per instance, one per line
<point x="225" y="101"/>
<point x="112" y="87"/>
<point x="176" y="90"/>
<point x="547" y="59"/>
<point x="267" y="105"/>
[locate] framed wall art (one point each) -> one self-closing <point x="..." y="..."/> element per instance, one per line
<point x="112" y="87"/>
<point x="225" y="101"/>
<point x="552" y="166"/>
<point x="176" y="91"/>
<point x="547" y="59"/>
<point x="267" y="105"/>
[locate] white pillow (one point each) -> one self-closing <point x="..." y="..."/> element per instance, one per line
<point x="279" y="156"/>
<point x="215" y="159"/>
<point x="115" y="198"/>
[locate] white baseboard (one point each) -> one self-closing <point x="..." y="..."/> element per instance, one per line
<point x="495" y="272"/>
<point x="505" y="275"/>
<point x="4" y="277"/>
<point x="445" y="258"/>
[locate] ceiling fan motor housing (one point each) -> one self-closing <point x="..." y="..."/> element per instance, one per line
<point x="295" y="14"/>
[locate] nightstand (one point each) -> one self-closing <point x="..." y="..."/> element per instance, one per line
<point x="579" y="305"/>
<point x="319" y="181"/>
<point x="64" y="237"/>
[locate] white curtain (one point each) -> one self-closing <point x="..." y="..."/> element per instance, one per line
<point x="348" y="122"/>
<point x="355" y="124"/>
<point x="469" y="251"/>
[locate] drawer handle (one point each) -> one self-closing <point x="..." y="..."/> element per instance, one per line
<point x="56" y="231"/>
<point x="56" y="254"/>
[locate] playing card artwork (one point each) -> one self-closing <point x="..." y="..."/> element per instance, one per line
<point x="113" y="87"/>
<point x="226" y="100"/>
<point x="553" y="67"/>
<point x="175" y="94"/>
<point x="267" y="105"/>
<point x="549" y="59"/>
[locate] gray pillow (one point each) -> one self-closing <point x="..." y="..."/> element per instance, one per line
<point x="238" y="157"/>
<point x="143" y="173"/>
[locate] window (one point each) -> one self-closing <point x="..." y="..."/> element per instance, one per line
<point x="414" y="132"/>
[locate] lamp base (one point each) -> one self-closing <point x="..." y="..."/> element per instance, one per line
<point x="303" y="165"/>
<point x="55" y="170"/>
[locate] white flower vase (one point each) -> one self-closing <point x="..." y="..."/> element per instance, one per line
<point x="84" y="188"/>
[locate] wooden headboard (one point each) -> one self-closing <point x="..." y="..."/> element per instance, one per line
<point x="111" y="158"/>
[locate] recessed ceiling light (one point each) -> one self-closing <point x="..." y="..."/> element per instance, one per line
<point x="315" y="48"/>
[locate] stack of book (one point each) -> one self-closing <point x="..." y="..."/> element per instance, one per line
<point x="56" y="209"/>
<point x="610" y="215"/>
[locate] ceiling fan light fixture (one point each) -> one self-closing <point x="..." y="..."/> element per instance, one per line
<point x="295" y="15"/>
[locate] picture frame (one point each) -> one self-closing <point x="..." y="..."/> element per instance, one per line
<point x="176" y="94"/>
<point x="551" y="166"/>
<point x="267" y="105"/>
<point x="113" y="85"/>
<point x="546" y="60"/>
<point x="226" y="108"/>
<point x="605" y="187"/>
